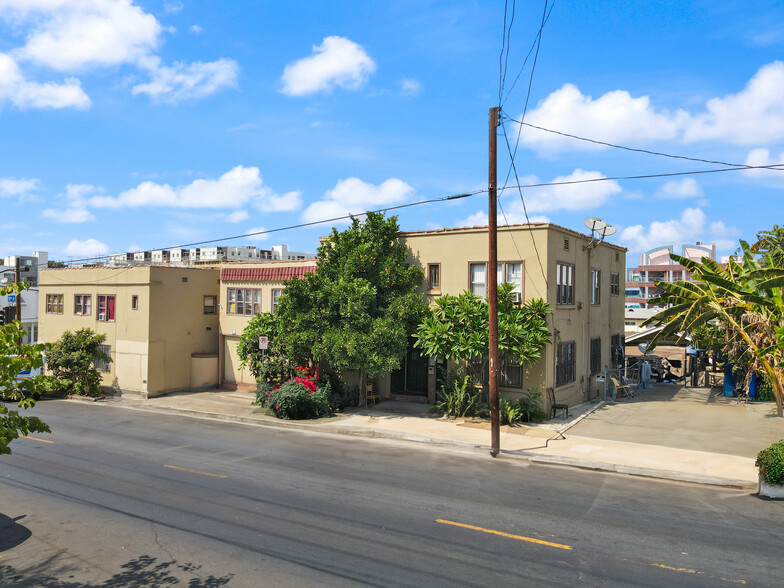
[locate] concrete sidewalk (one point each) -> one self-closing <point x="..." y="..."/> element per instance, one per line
<point x="605" y="446"/>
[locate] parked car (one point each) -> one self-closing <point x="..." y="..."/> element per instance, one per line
<point x="24" y="375"/>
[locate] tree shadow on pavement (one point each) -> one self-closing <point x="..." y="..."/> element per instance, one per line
<point x="142" y="571"/>
<point x="12" y="533"/>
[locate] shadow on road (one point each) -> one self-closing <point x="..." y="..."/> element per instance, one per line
<point x="12" y="533"/>
<point x="142" y="571"/>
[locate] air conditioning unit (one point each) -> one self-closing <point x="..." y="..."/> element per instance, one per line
<point x="101" y="316"/>
<point x="517" y="297"/>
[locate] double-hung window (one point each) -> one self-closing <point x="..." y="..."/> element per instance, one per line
<point x="244" y="301"/>
<point x="54" y="304"/>
<point x="508" y="271"/>
<point x="209" y="305"/>
<point x="276" y="294"/>
<point x="564" y="363"/>
<point x="615" y="285"/>
<point x="106" y="308"/>
<point x="596" y="285"/>
<point x="434" y="276"/>
<point x="596" y="355"/>
<point x="100" y="364"/>
<point x="83" y="304"/>
<point x="564" y="283"/>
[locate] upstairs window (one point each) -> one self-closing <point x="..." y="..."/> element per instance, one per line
<point x="434" y="276"/>
<point x="83" y="304"/>
<point x="564" y="283"/>
<point x="209" y="305"/>
<point x="106" y="308"/>
<point x="478" y="276"/>
<point x="276" y="294"/>
<point x="615" y="285"/>
<point x="244" y="301"/>
<point x="54" y="304"/>
<point x="596" y="282"/>
<point x="508" y="271"/>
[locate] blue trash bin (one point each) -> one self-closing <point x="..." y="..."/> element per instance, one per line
<point x="729" y="380"/>
<point x="754" y="384"/>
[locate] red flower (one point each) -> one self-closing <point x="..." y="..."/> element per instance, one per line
<point x="277" y="408"/>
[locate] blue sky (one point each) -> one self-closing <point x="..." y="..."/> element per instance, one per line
<point x="147" y="124"/>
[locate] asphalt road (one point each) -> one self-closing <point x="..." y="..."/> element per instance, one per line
<point x="116" y="497"/>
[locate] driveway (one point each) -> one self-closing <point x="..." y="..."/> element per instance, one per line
<point x="673" y="415"/>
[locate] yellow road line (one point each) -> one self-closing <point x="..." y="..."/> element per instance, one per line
<point x="195" y="471"/>
<point x="37" y="439"/>
<point x="502" y="534"/>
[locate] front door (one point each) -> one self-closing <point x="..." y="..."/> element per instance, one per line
<point x="411" y="378"/>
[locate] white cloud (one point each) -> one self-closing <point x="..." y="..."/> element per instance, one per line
<point x="10" y="187"/>
<point x="80" y="35"/>
<point x="759" y="157"/>
<point x="691" y="226"/>
<point x="353" y="196"/>
<point x="183" y="81"/>
<point x="678" y="189"/>
<point x="237" y="216"/>
<point x="25" y="94"/>
<point x="615" y="117"/>
<point x="566" y="196"/>
<point x="753" y="115"/>
<point x="262" y="237"/>
<point x="87" y="248"/>
<point x="69" y="215"/>
<point x="337" y="62"/>
<point x="478" y="219"/>
<point x="72" y="36"/>
<point x="195" y="29"/>
<point x="234" y="189"/>
<point x="410" y="87"/>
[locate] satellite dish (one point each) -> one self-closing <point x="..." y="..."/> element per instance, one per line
<point x="595" y="224"/>
<point x="643" y="347"/>
<point x="608" y="230"/>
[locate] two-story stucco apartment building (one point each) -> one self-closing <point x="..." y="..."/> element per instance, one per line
<point x="161" y="323"/>
<point x="578" y="277"/>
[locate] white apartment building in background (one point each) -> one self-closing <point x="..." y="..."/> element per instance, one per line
<point x="29" y="271"/>
<point x="207" y="255"/>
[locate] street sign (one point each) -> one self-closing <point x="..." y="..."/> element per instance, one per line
<point x="12" y="299"/>
<point x="263" y="342"/>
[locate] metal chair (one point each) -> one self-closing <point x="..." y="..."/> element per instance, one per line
<point x="556" y="406"/>
<point x="625" y="389"/>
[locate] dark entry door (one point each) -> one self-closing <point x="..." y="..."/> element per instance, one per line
<point x="411" y="378"/>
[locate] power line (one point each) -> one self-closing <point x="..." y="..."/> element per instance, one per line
<point x="776" y="166"/>
<point x="625" y="148"/>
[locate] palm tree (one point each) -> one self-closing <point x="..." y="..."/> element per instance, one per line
<point x="745" y="297"/>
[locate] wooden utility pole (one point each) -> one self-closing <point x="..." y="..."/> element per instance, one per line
<point x="492" y="287"/>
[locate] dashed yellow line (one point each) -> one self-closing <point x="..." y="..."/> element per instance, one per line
<point x="37" y="439"/>
<point x="502" y="534"/>
<point x="194" y="471"/>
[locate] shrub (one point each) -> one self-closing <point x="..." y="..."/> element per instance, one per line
<point x="294" y="401"/>
<point x="770" y="462"/>
<point x="459" y="399"/>
<point x="71" y="361"/>
<point x="531" y="404"/>
<point x="509" y="412"/>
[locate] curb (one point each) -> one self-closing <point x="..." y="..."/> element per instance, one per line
<point x="523" y="455"/>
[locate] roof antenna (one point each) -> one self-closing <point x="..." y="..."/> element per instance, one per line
<point x="599" y="230"/>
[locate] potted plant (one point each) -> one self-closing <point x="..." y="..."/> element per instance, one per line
<point x="770" y="462"/>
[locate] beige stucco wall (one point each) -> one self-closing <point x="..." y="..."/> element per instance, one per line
<point x="204" y="370"/>
<point x="232" y="326"/>
<point x="151" y="346"/>
<point x="540" y="247"/>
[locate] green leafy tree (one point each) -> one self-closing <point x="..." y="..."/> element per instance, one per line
<point x="770" y="244"/>
<point x="71" y="361"/>
<point x="275" y="368"/>
<point x="15" y="358"/>
<point x="358" y="309"/>
<point x="745" y="297"/>
<point x="457" y="329"/>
